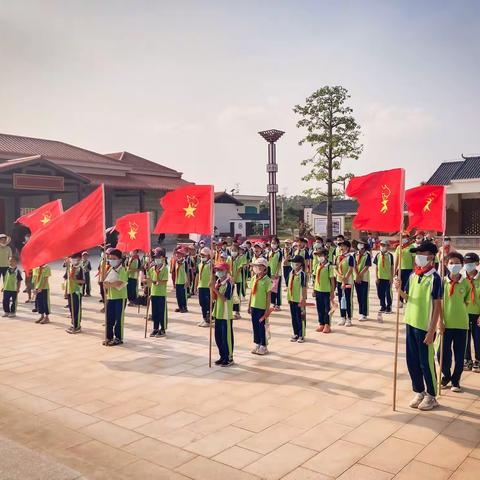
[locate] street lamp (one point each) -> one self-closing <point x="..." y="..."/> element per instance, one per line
<point x="271" y="136"/>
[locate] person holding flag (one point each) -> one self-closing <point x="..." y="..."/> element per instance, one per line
<point x="156" y="280"/>
<point x="203" y="285"/>
<point x="363" y="262"/>
<point x="11" y="288"/>
<point x="404" y="261"/>
<point x="75" y="281"/>
<point x="384" y="263"/>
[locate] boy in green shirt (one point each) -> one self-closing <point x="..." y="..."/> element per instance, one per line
<point x="203" y="285"/>
<point x="363" y="262"/>
<point x="133" y="268"/>
<point x="344" y="270"/>
<point x="297" y="298"/>
<point x="423" y="296"/>
<point x="274" y="267"/>
<point x="473" y="308"/>
<point x="42" y="292"/>
<point x="324" y="290"/>
<point x="404" y="261"/>
<point x="75" y="281"/>
<point x="384" y="276"/>
<point x="180" y="279"/>
<point x="11" y="287"/>
<point x="157" y="278"/>
<point x="115" y="285"/>
<point x="238" y="266"/>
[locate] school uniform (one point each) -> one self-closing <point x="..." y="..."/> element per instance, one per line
<point x="204" y="277"/>
<point x="238" y="278"/>
<point x="40" y="283"/>
<point x="117" y="299"/>
<point x="158" y="296"/>
<point x="103" y="268"/>
<point x="343" y="263"/>
<point x="180" y="274"/>
<point x="331" y="255"/>
<point x="456" y="295"/>
<point x="422" y="290"/>
<point x="87" y="286"/>
<point x="132" y="285"/>
<point x="274" y="268"/>
<point x="5" y="254"/>
<point x="192" y="272"/>
<point x="322" y="288"/>
<point x="362" y="282"/>
<point x="260" y="288"/>
<point x="405" y="264"/>
<point x="287" y="267"/>
<point x="384" y="263"/>
<point x="473" y="310"/>
<point x="223" y="315"/>
<point x="11" y="282"/>
<point x="296" y="283"/>
<point x="75" y="274"/>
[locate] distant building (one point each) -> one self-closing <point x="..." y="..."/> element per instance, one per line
<point x="343" y="211"/>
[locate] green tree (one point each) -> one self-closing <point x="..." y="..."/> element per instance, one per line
<point x="334" y="134"/>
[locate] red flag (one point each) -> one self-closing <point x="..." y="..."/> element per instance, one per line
<point x="426" y="207"/>
<point x="134" y="232"/>
<point x="42" y="216"/>
<point x="380" y="197"/>
<point x="79" y="228"/>
<point x="187" y="210"/>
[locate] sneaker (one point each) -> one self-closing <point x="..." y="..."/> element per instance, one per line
<point x="177" y="310"/>
<point x="276" y="308"/>
<point x="348" y="322"/>
<point x="69" y="330"/>
<point x="476" y="367"/>
<point x="301" y="340"/>
<point x="34" y="310"/>
<point x="428" y="403"/>
<point x="106" y="343"/>
<point x="294" y="338"/>
<point x="382" y="310"/>
<point x="204" y="324"/>
<point x="39" y="320"/>
<point x="389" y="311"/>
<point x="44" y="321"/>
<point x="262" y="350"/>
<point x="184" y="310"/>
<point x="115" y="341"/>
<point x="161" y="333"/>
<point x="154" y="333"/>
<point x="5" y="314"/>
<point x="362" y="318"/>
<point x="78" y="330"/>
<point x="12" y="315"/>
<point x="255" y="349"/>
<point x="417" y="400"/>
<point x="456" y="388"/>
<point x="327" y="329"/>
<point x="341" y="322"/>
<point x="219" y="361"/>
<point x="444" y="383"/>
<point x="468" y="365"/>
<point x="320" y="328"/>
<point x="225" y="363"/>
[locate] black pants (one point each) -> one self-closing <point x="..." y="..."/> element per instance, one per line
<point x="473" y="334"/>
<point x="115" y="316"/>
<point x="404" y="276"/>
<point x="236" y="306"/>
<point x="287" y="269"/>
<point x="298" y="320"/>
<point x="362" y="297"/>
<point x="42" y="302"/>
<point x="204" y="301"/>
<point x="224" y="338"/>
<point x="132" y="287"/>
<point x="9" y="301"/>
<point x="159" y="312"/>
<point x="75" y="305"/>
<point x="102" y="291"/>
<point x="322" y="299"/>
<point x="181" y="294"/>
<point x="345" y="312"/>
<point x="259" y="334"/>
<point x="384" y="292"/>
<point x="87" y="286"/>
<point x="456" y="339"/>
<point x="3" y="272"/>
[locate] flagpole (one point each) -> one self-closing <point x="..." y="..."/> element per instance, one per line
<point x="148" y="308"/>
<point x="397" y="323"/>
<point x="105" y="291"/>
<point x="210" y="313"/>
<point x="440" y="346"/>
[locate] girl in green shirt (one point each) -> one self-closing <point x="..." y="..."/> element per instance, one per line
<point x="473" y="277"/>
<point x="11" y="287"/>
<point x="157" y="278"/>
<point x="42" y="291"/>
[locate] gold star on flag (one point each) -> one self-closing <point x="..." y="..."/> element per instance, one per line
<point x="46" y="218"/>
<point x="190" y="211"/>
<point x="132" y="233"/>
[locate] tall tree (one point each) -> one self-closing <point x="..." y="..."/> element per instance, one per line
<point x="334" y="134"/>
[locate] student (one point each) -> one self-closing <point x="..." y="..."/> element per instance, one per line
<point x="156" y="280"/>
<point x="11" y="287"/>
<point x="297" y="298"/>
<point x="87" y="268"/>
<point x="222" y="290"/>
<point x="203" y="285"/>
<point x="115" y="285"/>
<point x="42" y="291"/>
<point x="456" y="295"/>
<point x="259" y="304"/>
<point x="287" y="259"/>
<point x="238" y="262"/>
<point x="257" y="253"/>
<point x="5" y="254"/>
<point x="370" y="242"/>
<point x="324" y="290"/>
<point x="191" y="264"/>
<point x="133" y="268"/>
<point x="339" y="239"/>
<point x="443" y="252"/>
<point x="404" y="262"/>
<point x="180" y="281"/>
<point x="344" y="265"/>
<point x="103" y="268"/>
<point x="75" y="282"/>
<point x="423" y="296"/>
<point x="331" y="250"/>
<point x="274" y="267"/>
<point x="363" y="262"/>
<point x="384" y="263"/>
<point x="316" y="248"/>
<point x="473" y="308"/>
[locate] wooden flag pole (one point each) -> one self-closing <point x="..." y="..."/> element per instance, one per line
<point x="210" y="313"/>
<point x="105" y="290"/>
<point x="149" y="293"/>
<point x="397" y="326"/>
<point x="440" y="345"/>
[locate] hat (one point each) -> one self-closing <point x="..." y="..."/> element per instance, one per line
<point x="471" y="257"/>
<point x="261" y="262"/>
<point x="3" y="235"/>
<point x="258" y="244"/>
<point x="426" y="247"/>
<point x="298" y="259"/>
<point x="287" y="240"/>
<point x="385" y="242"/>
<point x="222" y="266"/>
<point x="115" y="252"/>
<point x="84" y="253"/>
<point x="159" y="252"/>
<point x="205" y="251"/>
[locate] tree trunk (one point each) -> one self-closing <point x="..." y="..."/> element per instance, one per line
<point x="329" y="200"/>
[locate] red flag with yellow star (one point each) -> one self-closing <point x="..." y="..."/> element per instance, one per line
<point x="187" y="210"/>
<point x="134" y="232"/>
<point x="426" y="207"/>
<point x="380" y="197"/>
<point x="41" y="216"/>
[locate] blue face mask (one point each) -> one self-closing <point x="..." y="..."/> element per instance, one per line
<point x="455" y="268"/>
<point x="114" y="262"/>
<point x="220" y="273"/>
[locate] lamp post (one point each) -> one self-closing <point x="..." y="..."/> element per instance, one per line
<point x="271" y="136"/>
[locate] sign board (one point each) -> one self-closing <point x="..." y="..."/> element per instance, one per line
<point x="320" y="226"/>
<point x="38" y="182"/>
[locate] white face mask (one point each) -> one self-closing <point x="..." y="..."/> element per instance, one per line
<point x="74" y="261"/>
<point x="234" y="253"/>
<point x="257" y="270"/>
<point x="454" y="268"/>
<point x="297" y="266"/>
<point x="274" y="246"/>
<point x="447" y="242"/>
<point x="470" y="267"/>
<point x="322" y="259"/>
<point x="404" y="241"/>
<point x="421" y="260"/>
<point x="159" y="261"/>
<point x="220" y="273"/>
<point x="361" y="246"/>
<point x="114" y="262"/>
<point x="383" y="249"/>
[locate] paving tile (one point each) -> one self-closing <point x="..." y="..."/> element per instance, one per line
<point x="132" y="421"/>
<point x="422" y="429"/>
<point x="322" y="436"/>
<point x="468" y="470"/>
<point x="69" y="417"/>
<point x="263" y="419"/>
<point x="372" y="432"/>
<point x="201" y="468"/>
<point x="237" y="457"/>
<point x="418" y="470"/>
<point x="271" y="438"/>
<point x="362" y="472"/>
<point x="103" y="455"/>
<point x="111" y="434"/>
<point x="305" y="474"/>
<point x="146" y="470"/>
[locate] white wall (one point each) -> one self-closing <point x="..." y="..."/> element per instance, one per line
<point x="223" y="213"/>
<point x="463" y="186"/>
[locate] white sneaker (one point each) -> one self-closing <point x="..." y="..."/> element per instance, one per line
<point x="456" y="388"/>
<point x="417" y="400"/>
<point x="12" y="315"/>
<point x="400" y="305"/>
<point x="341" y="322"/>
<point x="362" y="318"/>
<point x="262" y="350"/>
<point x="6" y="315"/>
<point x="428" y="403"/>
<point x="348" y="322"/>
<point x="204" y="324"/>
<point x="255" y="349"/>
<point x="301" y="340"/>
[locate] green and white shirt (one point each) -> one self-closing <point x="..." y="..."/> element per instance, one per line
<point x="296" y="282"/>
<point x="40" y="277"/>
<point x="204" y="274"/>
<point x="119" y="293"/>
<point x="261" y="287"/>
<point x="455" y="299"/>
<point x="323" y="276"/>
<point x="12" y="277"/>
<point x="407" y="260"/>
<point x="158" y="274"/>
<point x="473" y="306"/>
<point x="384" y="263"/>
<point x="223" y="308"/>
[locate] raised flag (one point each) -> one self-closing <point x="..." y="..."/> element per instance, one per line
<point x="41" y="216"/>
<point x="79" y="228"/>
<point x="187" y="210"/>
<point x="426" y="207"/>
<point x="380" y="197"/>
<point x="134" y="232"/>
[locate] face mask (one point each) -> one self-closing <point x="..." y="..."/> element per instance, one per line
<point x="470" y="267"/>
<point x="446" y="242"/>
<point x="361" y="246"/>
<point x="454" y="268"/>
<point x="234" y="254"/>
<point x="159" y="261"/>
<point x="383" y="249"/>
<point x="74" y="261"/>
<point x="257" y="270"/>
<point x="203" y="259"/>
<point x="322" y="259"/>
<point x="114" y="262"/>
<point x="421" y="260"/>
<point x="220" y="273"/>
<point x="404" y="241"/>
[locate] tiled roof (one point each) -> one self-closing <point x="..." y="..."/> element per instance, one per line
<point x="339" y="207"/>
<point x="466" y="169"/>
<point x="144" y="182"/>
<point x="224" y="197"/>
<point x="469" y="169"/>
<point x="140" y="163"/>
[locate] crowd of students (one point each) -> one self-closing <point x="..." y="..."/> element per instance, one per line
<point x="230" y="279"/>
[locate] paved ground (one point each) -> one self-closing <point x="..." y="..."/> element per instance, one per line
<point x="153" y="409"/>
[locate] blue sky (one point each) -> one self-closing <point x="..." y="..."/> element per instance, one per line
<point x="189" y="83"/>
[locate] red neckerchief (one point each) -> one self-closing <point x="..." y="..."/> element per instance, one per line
<point x="72" y="272"/>
<point x="383" y="259"/>
<point x="422" y="270"/>
<point x="446" y="249"/>
<point x="359" y="256"/>
<point x="472" y="293"/>
<point x="292" y="279"/>
<point x="452" y="285"/>
<point x="319" y="271"/>
<point x="254" y="287"/>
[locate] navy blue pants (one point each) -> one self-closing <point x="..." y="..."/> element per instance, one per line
<point x="322" y="299"/>
<point x="87" y="286"/>
<point x="298" y="320"/>
<point x="75" y="306"/>
<point x="287" y="269"/>
<point x="9" y="301"/>
<point x="473" y="334"/>
<point x="236" y="306"/>
<point x="362" y="297"/>
<point x="259" y="334"/>
<point x="115" y="316"/>
<point x="384" y="292"/>
<point x="456" y="339"/>
<point x="42" y="302"/>
<point x="159" y="312"/>
<point x="404" y="276"/>
<point x="132" y="287"/>
<point x="181" y="294"/>
<point x="345" y="312"/>
<point x="204" y="301"/>
<point x="276" y="297"/>
<point x="224" y="338"/>
<point x="420" y="361"/>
